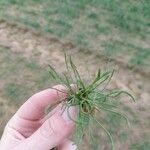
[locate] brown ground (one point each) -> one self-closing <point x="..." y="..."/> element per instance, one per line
<point x="50" y="50"/>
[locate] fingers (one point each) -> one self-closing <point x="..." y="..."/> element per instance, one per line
<point x="34" y="108"/>
<point x="67" y="145"/>
<point x="52" y="112"/>
<point x="52" y="132"/>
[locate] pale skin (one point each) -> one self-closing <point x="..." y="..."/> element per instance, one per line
<point x="30" y="129"/>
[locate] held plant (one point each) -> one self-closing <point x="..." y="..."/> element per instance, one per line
<point x="88" y="99"/>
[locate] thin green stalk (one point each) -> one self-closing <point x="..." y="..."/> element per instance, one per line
<point x="108" y="133"/>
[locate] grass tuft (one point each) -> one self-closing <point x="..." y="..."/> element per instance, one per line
<point x="88" y="99"/>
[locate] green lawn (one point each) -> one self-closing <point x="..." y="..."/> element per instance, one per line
<point x="21" y="77"/>
<point x="116" y="28"/>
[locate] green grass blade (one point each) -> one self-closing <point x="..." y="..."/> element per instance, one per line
<point x="107" y="132"/>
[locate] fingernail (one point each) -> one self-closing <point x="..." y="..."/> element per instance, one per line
<point x="69" y="114"/>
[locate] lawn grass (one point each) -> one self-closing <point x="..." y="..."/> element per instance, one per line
<point x="140" y="146"/>
<point x="22" y="77"/>
<point x="93" y="24"/>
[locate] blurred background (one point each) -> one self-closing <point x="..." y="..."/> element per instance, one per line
<point x="97" y="33"/>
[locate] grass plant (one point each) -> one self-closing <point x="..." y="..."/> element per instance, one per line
<point x="89" y="99"/>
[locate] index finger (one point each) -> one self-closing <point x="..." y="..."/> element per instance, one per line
<point x="34" y="107"/>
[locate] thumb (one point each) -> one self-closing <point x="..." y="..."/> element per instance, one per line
<point x="51" y="134"/>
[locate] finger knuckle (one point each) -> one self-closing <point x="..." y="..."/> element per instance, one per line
<point x="53" y="127"/>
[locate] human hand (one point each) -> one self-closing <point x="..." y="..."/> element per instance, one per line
<point x="30" y="129"/>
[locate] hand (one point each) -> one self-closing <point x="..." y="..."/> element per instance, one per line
<point x="30" y="129"/>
